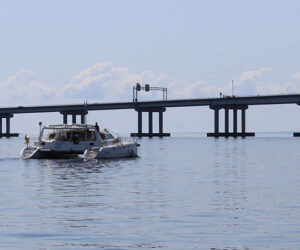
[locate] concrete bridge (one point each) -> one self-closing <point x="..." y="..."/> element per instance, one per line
<point x="226" y="103"/>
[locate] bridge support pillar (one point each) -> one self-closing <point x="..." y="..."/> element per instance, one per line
<point x="150" y="121"/>
<point x="226" y="121"/>
<point x="226" y="132"/>
<point x="7" y="133"/>
<point x="82" y="120"/>
<point x="243" y="123"/>
<point x="140" y="123"/>
<point x="7" y="126"/>
<point x="216" y="121"/>
<point x="150" y="133"/>
<point x="73" y="118"/>
<point x="74" y="113"/>
<point x="161" y="124"/>
<point x="235" y="122"/>
<point x="65" y="118"/>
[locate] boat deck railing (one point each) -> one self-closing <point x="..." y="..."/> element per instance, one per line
<point x="127" y="139"/>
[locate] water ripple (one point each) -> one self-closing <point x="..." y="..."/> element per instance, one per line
<point x="181" y="193"/>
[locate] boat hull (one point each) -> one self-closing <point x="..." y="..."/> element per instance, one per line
<point x="38" y="153"/>
<point x="125" y="150"/>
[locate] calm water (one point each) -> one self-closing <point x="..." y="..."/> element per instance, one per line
<point x="183" y="192"/>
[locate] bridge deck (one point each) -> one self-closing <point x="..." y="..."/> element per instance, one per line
<point x="246" y="100"/>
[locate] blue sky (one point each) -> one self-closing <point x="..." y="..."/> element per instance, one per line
<point x="70" y="51"/>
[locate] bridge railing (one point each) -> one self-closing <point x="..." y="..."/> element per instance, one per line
<point x="81" y="106"/>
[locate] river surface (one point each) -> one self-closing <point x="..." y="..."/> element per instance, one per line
<point x="183" y="192"/>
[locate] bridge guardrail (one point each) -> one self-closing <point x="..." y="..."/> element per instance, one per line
<point x="83" y="106"/>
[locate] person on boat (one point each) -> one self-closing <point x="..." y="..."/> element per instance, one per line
<point x="97" y="127"/>
<point x="27" y="140"/>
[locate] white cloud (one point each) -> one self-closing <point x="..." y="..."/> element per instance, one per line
<point x="293" y="85"/>
<point x="253" y="82"/>
<point x="256" y="83"/>
<point x="104" y="82"/>
<point x="23" y="88"/>
<point x="296" y="76"/>
<point x="253" y="75"/>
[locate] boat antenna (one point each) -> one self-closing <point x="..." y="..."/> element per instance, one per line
<point x="232" y="88"/>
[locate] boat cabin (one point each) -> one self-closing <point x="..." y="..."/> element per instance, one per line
<point x="73" y="133"/>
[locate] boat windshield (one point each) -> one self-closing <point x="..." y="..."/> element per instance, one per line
<point x="109" y="136"/>
<point x="106" y="135"/>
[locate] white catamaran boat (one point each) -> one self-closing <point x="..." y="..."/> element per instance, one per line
<point x="67" y="141"/>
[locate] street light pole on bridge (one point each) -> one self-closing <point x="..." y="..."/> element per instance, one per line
<point x="138" y="87"/>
